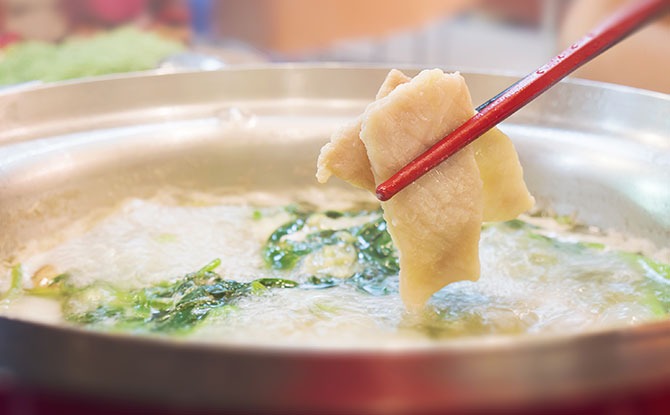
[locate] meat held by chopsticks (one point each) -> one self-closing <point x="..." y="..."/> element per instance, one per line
<point x="435" y="222"/>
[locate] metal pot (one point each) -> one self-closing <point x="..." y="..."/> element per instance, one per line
<point x="599" y="150"/>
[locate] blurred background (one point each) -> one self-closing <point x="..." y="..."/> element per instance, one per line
<point x="51" y="40"/>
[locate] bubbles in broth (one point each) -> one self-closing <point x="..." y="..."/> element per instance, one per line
<point x="271" y="269"/>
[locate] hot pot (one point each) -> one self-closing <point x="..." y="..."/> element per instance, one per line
<point x="600" y="151"/>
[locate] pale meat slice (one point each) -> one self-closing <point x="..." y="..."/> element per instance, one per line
<point x="435" y="222"/>
<point x="392" y="80"/>
<point x="505" y="192"/>
<point x="344" y="156"/>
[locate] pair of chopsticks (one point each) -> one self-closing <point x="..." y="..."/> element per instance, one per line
<point x="498" y="108"/>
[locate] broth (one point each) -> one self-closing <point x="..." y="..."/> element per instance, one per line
<point x="539" y="275"/>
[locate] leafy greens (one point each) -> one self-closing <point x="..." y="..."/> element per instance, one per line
<point x="177" y="306"/>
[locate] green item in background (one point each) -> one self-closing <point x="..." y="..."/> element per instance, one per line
<point x="121" y="50"/>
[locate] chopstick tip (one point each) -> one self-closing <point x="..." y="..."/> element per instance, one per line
<point x="383" y="193"/>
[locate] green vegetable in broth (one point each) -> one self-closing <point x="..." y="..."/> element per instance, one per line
<point x="357" y="247"/>
<point x="169" y="307"/>
<point x="376" y="256"/>
<point x="654" y="287"/>
<point x="15" y="284"/>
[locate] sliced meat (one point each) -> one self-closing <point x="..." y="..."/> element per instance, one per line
<point x="435" y="222"/>
<point x="344" y="156"/>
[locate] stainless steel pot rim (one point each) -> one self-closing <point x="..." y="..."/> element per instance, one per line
<point x="318" y="66"/>
<point x="474" y="344"/>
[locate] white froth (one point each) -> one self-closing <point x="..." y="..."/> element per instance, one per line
<point x="521" y="291"/>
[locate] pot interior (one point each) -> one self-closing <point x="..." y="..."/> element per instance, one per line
<point x="78" y="150"/>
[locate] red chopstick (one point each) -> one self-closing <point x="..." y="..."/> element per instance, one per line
<point x="498" y="108"/>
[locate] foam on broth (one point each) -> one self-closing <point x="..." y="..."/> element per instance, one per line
<point x="521" y="291"/>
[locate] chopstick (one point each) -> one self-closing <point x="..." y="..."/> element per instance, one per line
<point x="506" y="103"/>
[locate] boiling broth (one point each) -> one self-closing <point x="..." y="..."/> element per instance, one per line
<point x="539" y="274"/>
